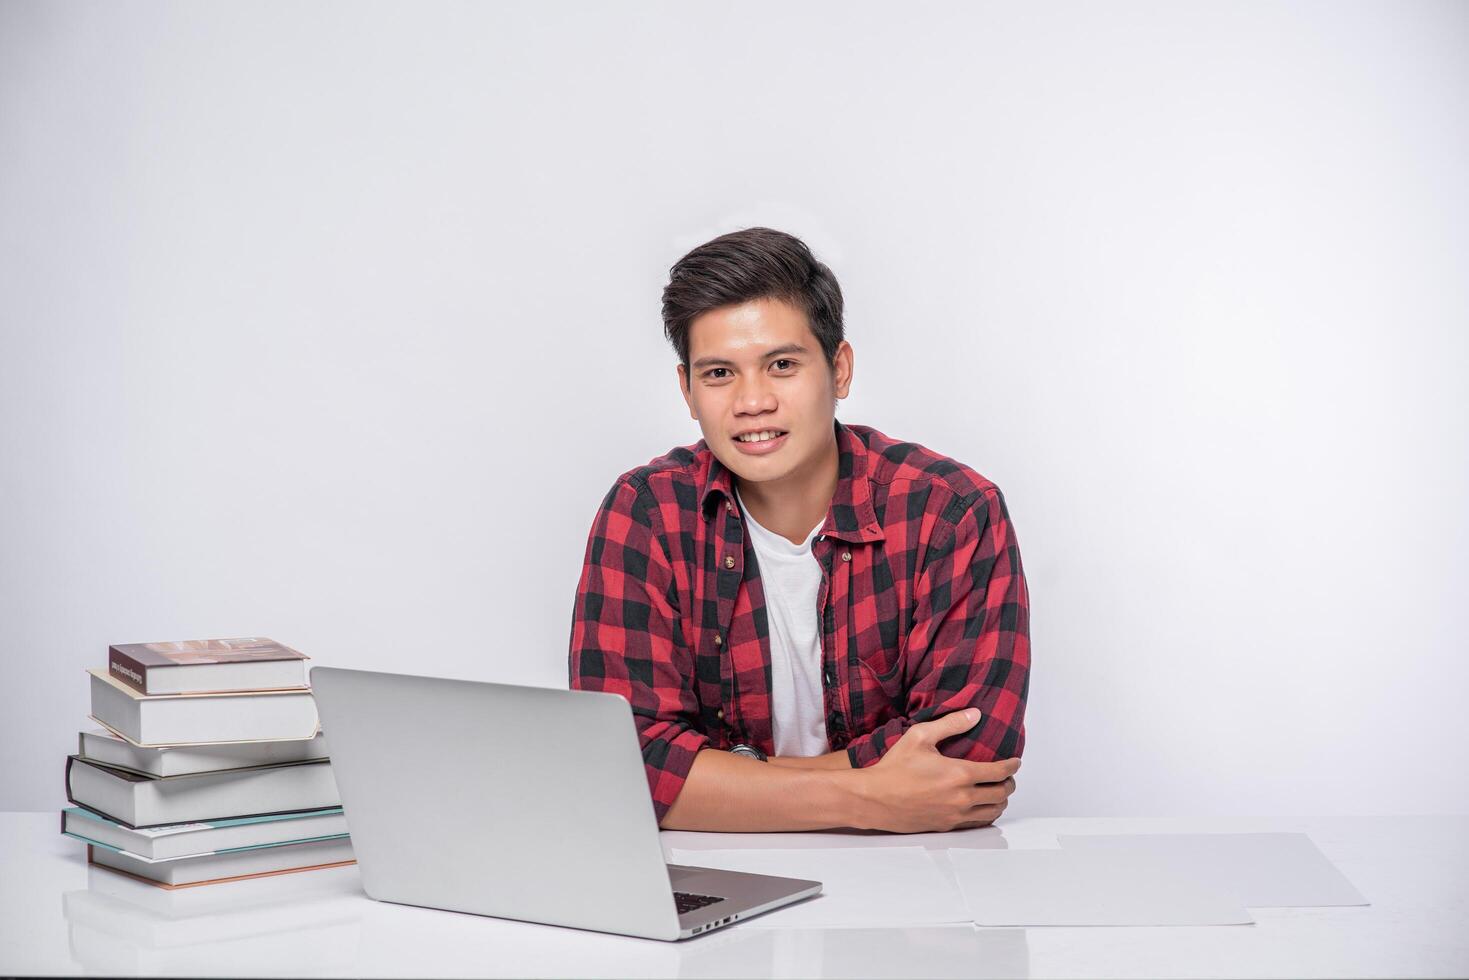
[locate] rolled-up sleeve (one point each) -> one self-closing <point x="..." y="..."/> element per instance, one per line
<point x="625" y="637"/>
<point x="969" y="645"/>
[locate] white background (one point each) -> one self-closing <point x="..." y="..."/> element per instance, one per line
<point x="333" y="323"/>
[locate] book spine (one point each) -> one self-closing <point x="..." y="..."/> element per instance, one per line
<point x="70" y="761"/>
<point x="127" y="670"/>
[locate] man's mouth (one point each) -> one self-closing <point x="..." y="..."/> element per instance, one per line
<point x="762" y="442"/>
<point x="762" y="436"/>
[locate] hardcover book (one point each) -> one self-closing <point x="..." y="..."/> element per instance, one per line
<point x="170" y="842"/>
<point x="136" y="801"/>
<point x="196" y="666"/>
<point x="101" y="745"/>
<point x="226" y="716"/>
<point x="231" y="865"/>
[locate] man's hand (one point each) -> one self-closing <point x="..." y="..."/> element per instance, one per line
<point x="915" y="788"/>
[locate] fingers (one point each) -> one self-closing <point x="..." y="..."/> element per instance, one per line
<point x="988" y="772"/>
<point x="990" y="794"/>
<point x="951" y="724"/>
<point x="965" y="799"/>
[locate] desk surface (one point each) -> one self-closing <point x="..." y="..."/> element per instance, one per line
<point x="57" y="916"/>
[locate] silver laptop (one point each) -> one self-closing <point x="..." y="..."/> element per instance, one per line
<point x="518" y="802"/>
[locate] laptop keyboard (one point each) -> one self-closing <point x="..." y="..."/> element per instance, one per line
<point x="688" y="901"/>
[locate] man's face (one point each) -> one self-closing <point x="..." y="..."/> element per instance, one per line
<point x="757" y="368"/>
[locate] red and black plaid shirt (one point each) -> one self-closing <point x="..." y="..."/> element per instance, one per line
<point x="923" y="604"/>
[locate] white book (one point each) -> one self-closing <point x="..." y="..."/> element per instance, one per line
<point x="136" y="800"/>
<point x="173" y="841"/>
<point x="100" y="745"/>
<point x="231" y="865"/>
<point x="173" y="719"/>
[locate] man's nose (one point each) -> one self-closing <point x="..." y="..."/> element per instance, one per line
<point x="754" y="395"/>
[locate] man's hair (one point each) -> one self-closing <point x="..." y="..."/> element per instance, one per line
<point x="757" y="263"/>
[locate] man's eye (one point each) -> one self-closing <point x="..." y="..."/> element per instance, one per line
<point x="714" y="373"/>
<point x="784" y="360"/>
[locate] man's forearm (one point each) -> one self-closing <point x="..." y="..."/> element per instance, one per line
<point x="831" y="760"/>
<point x="734" y="794"/>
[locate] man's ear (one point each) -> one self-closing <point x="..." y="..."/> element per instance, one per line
<point x="683" y="389"/>
<point x="842" y="369"/>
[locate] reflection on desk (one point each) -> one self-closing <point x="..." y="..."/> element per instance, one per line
<point x="116" y="923"/>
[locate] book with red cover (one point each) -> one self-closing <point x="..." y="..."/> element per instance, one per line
<point x="205" y="666"/>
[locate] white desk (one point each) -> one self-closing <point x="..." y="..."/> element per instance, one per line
<point x="57" y="916"/>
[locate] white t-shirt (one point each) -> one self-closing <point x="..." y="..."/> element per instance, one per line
<point x="792" y="581"/>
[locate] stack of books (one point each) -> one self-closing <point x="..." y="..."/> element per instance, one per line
<point x="210" y="766"/>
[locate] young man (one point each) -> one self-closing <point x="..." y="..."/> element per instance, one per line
<point x="817" y="626"/>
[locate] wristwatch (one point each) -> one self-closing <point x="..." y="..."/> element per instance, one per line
<point x="748" y="750"/>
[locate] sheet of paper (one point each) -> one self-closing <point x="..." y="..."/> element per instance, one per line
<point x="1086" y="887"/>
<point x="1258" y="870"/>
<point x="861" y="887"/>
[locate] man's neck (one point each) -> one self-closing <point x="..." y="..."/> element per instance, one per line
<point x="793" y="505"/>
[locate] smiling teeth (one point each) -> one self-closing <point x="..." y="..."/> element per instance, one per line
<point x="760" y="436"/>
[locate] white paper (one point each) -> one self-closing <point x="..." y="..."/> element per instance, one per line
<point x="860" y="887"/>
<point x="1086" y="887"/>
<point x="1258" y="870"/>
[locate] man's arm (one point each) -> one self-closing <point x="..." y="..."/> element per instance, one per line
<point x="914" y="788"/>
<point x="969" y="644"/>
<point x="831" y="760"/>
<point x="622" y="638"/>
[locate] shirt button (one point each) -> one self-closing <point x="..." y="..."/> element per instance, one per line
<point x="718" y="640"/>
<point x="719" y="714"/>
<point x="820" y="537"/>
<point x="729" y="561"/>
<point x="831" y="676"/>
<point x="846" y="556"/>
<point x="729" y="508"/>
